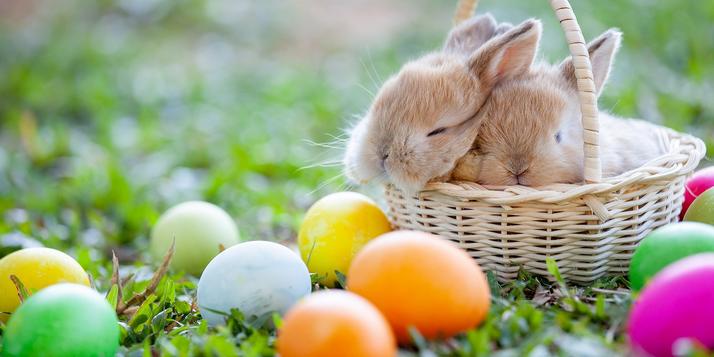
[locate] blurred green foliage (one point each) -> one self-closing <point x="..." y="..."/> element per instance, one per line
<point x="111" y="111"/>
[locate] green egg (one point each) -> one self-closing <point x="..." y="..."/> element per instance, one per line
<point x="702" y="209"/>
<point x="62" y="320"/>
<point x="199" y="228"/>
<point x="666" y="245"/>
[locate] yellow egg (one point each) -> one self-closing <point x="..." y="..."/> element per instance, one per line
<point x="36" y="268"/>
<point x="335" y="228"/>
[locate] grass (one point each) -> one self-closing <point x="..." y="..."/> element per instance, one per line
<point x="111" y="112"/>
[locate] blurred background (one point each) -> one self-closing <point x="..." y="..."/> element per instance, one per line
<point x="110" y="111"/>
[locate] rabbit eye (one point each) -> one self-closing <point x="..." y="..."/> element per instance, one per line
<point x="558" y="137"/>
<point x="436" y="132"/>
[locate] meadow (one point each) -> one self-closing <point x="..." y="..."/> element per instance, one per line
<point x="113" y="111"/>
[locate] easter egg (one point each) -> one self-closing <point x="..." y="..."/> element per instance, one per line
<point x="702" y="209"/>
<point x="666" y="245"/>
<point x="701" y="181"/>
<point x="335" y="228"/>
<point x="418" y="279"/>
<point x="36" y="268"/>
<point x="200" y="229"/>
<point x="255" y="277"/>
<point x="62" y="320"/>
<point x="335" y="323"/>
<point x="677" y="303"/>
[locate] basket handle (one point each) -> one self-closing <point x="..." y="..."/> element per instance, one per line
<point x="583" y="72"/>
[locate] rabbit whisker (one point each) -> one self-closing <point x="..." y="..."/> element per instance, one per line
<point x="369" y="74"/>
<point x="325" y="183"/>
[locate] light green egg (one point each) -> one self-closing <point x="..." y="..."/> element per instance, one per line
<point x="702" y="209"/>
<point x="200" y="229"/>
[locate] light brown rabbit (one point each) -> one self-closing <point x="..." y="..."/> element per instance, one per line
<point x="423" y="119"/>
<point x="532" y="132"/>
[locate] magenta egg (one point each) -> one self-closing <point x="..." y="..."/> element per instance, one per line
<point x="678" y="303"/>
<point x="701" y="181"/>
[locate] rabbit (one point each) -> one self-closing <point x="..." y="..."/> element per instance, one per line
<point x="532" y="133"/>
<point x="423" y="119"/>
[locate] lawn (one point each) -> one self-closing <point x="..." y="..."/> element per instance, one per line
<point x="113" y="111"/>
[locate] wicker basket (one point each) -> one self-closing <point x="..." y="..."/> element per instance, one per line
<point x="591" y="230"/>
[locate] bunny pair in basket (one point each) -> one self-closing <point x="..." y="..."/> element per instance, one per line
<point x="481" y="110"/>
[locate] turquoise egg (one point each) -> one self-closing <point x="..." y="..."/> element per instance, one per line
<point x="61" y="320"/>
<point x="258" y="278"/>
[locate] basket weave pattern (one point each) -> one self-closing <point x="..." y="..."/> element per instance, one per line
<point x="591" y="230"/>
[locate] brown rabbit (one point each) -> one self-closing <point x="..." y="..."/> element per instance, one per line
<point x="532" y="132"/>
<point x="423" y="118"/>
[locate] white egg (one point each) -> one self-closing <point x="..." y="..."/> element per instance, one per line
<point x="255" y="277"/>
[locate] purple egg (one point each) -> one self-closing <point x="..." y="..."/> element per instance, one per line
<point x="677" y="303"/>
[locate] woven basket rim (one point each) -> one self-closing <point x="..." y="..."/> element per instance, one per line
<point x="683" y="158"/>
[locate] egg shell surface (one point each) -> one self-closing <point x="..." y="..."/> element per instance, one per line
<point x="62" y="320"/>
<point x="421" y="280"/>
<point x="335" y="228"/>
<point x="200" y="228"/>
<point x="701" y="181"/>
<point x="36" y="268"/>
<point x="668" y="244"/>
<point x="702" y="209"/>
<point x="335" y="323"/>
<point x="256" y="277"/>
<point x="677" y="303"/>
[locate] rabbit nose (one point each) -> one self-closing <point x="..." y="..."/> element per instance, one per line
<point x="518" y="166"/>
<point x="518" y="171"/>
<point x="384" y="158"/>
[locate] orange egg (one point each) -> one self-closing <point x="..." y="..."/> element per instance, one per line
<point x="335" y="323"/>
<point x="420" y="280"/>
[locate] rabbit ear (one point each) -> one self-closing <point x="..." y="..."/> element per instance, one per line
<point x="503" y="27"/>
<point x="508" y="55"/>
<point x="465" y="38"/>
<point x="602" y="51"/>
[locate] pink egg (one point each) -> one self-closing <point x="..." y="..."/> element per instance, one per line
<point x="701" y="181"/>
<point x="677" y="303"/>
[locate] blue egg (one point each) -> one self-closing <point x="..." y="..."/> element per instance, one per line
<point x="257" y="277"/>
